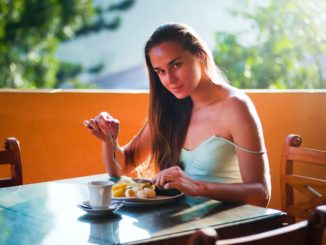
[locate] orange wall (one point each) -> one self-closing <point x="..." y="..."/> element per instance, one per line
<point x="55" y="144"/>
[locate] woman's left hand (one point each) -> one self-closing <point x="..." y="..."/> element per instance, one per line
<point x="175" y="178"/>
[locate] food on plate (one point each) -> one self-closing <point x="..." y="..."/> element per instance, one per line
<point x="166" y="192"/>
<point x="130" y="193"/>
<point x="149" y="192"/>
<point x="146" y="185"/>
<point x="141" y="194"/>
<point x="133" y="189"/>
<point x="119" y="186"/>
<point x="118" y="190"/>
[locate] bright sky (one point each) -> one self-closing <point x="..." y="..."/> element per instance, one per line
<point x="123" y="48"/>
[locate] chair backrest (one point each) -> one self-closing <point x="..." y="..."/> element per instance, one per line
<point x="312" y="189"/>
<point x="11" y="155"/>
<point x="304" y="232"/>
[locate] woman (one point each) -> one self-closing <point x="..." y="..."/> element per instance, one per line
<point x="203" y="135"/>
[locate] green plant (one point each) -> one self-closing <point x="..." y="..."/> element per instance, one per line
<point x="290" y="47"/>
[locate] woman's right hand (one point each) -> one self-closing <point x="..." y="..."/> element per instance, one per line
<point x="103" y="124"/>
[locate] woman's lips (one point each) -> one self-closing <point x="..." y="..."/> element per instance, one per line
<point x="176" y="89"/>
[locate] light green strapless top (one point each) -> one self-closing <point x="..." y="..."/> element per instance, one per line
<point x="213" y="160"/>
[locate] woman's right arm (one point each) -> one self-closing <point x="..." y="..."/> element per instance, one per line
<point x="136" y="151"/>
<point x="128" y="156"/>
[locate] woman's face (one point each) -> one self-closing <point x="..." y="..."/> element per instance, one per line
<point x="179" y="70"/>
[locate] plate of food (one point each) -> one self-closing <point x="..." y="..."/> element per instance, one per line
<point x="140" y="192"/>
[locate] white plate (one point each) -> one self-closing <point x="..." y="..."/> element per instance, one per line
<point x="135" y="201"/>
<point x="158" y="200"/>
<point x="98" y="211"/>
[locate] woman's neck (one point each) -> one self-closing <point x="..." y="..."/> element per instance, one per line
<point x="207" y="93"/>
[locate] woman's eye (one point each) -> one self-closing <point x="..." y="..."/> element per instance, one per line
<point x="160" y="72"/>
<point x="176" y="65"/>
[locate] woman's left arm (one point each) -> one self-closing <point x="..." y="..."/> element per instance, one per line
<point x="246" y="131"/>
<point x="255" y="193"/>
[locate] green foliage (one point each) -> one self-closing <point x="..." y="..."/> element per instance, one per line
<point x="125" y="5"/>
<point x="30" y="31"/>
<point x="67" y="71"/>
<point x="290" y="48"/>
<point x="96" y="68"/>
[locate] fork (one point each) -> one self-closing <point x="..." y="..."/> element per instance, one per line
<point x="113" y="154"/>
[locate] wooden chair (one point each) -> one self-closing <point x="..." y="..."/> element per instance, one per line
<point x="305" y="232"/>
<point x="313" y="190"/>
<point x="11" y="155"/>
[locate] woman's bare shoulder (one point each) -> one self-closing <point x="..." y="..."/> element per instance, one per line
<point x="238" y="109"/>
<point x="236" y="99"/>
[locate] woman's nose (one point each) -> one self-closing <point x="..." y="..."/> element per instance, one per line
<point x="171" y="77"/>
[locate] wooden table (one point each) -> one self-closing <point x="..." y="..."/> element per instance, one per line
<point x="47" y="213"/>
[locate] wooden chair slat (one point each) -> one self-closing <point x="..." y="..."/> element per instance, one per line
<point x="11" y="155"/>
<point x="305" y="232"/>
<point x="303" y="180"/>
<point x="312" y="156"/>
<point x="312" y="188"/>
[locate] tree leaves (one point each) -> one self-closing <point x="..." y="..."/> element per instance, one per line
<point x="290" y="48"/>
<point x="30" y="31"/>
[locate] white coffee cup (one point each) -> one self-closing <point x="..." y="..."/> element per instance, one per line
<point x="100" y="193"/>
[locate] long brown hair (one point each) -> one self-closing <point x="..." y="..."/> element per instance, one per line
<point x="169" y="117"/>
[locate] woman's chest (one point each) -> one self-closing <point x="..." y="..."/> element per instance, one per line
<point x="214" y="157"/>
<point x="204" y="125"/>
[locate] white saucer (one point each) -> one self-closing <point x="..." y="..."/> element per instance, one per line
<point x="99" y="211"/>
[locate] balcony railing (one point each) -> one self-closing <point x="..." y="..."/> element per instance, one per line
<point x="55" y="144"/>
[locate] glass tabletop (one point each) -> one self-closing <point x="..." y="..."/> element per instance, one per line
<point x="47" y="212"/>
